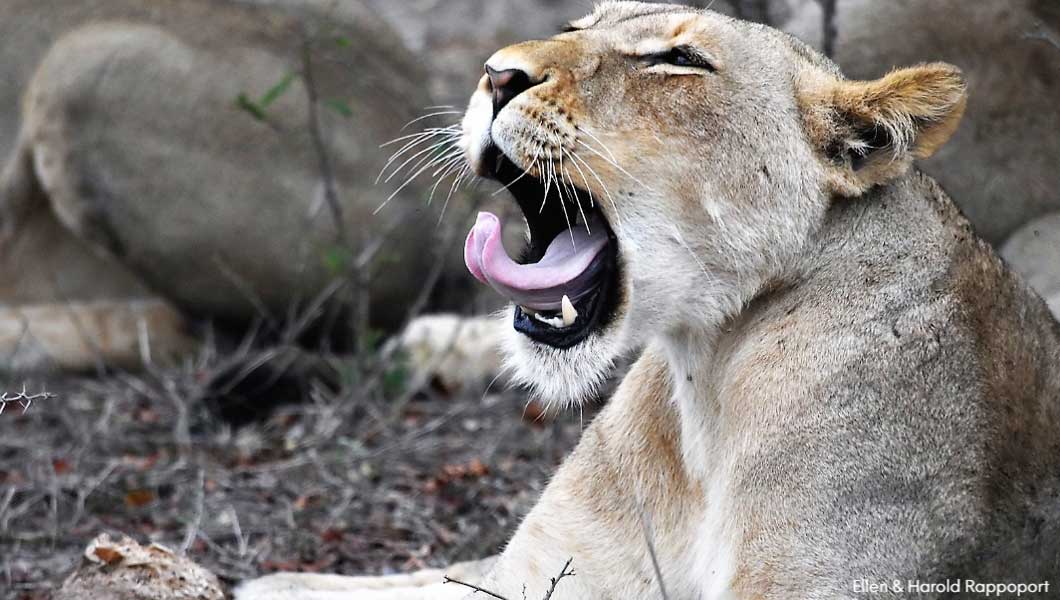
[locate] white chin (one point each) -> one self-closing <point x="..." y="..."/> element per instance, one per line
<point x="562" y="377"/>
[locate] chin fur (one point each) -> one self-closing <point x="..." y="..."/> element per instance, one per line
<point x="561" y="378"/>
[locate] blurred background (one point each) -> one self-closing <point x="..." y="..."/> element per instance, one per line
<point x="234" y="317"/>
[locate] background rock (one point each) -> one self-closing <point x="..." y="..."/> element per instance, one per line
<point x="150" y="160"/>
<point x="1001" y="166"/>
<point x="1034" y="252"/>
<point x="124" y="570"/>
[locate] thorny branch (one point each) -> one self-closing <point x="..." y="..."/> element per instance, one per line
<point x="553" y="583"/>
<point x="23" y="399"/>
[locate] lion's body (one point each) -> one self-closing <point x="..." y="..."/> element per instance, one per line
<point x="905" y="412"/>
<point x="841" y="385"/>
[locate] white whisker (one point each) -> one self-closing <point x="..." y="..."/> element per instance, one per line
<point x="562" y="198"/>
<point x="428" y="116"/>
<point x="403" y="186"/>
<point x="598" y="141"/>
<point x="592" y="200"/>
<point x="616" y="165"/>
<point x="456" y="183"/>
<point x="681" y="240"/>
<point x="548" y="185"/>
<point x="607" y="192"/>
<point x="449" y="167"/>
<point x="455" y="128"/>
<point x="444" y="147"/>
<point x="514" y="181"/>
<point x="574" y="190"/>
<point x="421" y="138"/>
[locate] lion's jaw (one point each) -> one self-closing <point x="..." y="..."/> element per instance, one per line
<point x="709" y="149"/>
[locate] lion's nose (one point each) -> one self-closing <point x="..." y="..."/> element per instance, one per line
<point x="506" y="85"/>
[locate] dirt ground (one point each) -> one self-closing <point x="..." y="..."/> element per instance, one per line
<point x="373" y="478"/>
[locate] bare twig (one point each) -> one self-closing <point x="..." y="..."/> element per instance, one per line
<point x="565" y="572"/>
<point x="327" y="172"/>
<point x="23" y="399"/>
<point x="472" y="586"/>
<point x="194" y="526"/>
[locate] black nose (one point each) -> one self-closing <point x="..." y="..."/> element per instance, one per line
<point x="506" y="85"/>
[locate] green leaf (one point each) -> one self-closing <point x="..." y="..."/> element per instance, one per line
<point x="338" y="259"/>
<point x="343" y="41"/>
<point x="395" y="380"/>
<point x="250" y="106"/>
<point x="276" y="91"/>
<point x="340" y="107"/>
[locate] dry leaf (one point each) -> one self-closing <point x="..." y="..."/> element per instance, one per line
<point x="138" y="498"/>
<point x="108" y="555"/>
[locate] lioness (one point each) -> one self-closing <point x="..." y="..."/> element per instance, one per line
<point x="842" y="388"/>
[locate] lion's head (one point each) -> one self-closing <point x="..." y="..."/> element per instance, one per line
<point x="672" y="163"/>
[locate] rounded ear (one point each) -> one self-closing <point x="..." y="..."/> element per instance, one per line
<point x="869" y="132"/>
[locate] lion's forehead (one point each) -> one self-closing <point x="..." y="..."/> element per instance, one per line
<point x="612" y="13"/>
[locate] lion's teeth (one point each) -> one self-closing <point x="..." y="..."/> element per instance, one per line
<point x="553" y="322"/>
<point x="570" y="315"/>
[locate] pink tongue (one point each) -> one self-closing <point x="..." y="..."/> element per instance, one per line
<point x="563" y="270"/>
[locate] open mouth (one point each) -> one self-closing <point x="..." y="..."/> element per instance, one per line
<point x="565" y="283"/>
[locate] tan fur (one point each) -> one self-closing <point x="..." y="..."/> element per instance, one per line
<point x="919" y="108"/>
<point x="837" y="380"/>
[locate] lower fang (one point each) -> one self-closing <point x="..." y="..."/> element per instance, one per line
<point x="570" y="315"/>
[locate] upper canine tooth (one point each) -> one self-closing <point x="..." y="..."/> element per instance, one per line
<point x="570" y="315"/>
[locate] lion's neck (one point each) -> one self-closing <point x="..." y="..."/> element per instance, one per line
<point x="692" y="351"/>
<point x="688" y="356"/>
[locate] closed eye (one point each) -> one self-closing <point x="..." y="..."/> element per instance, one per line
<point x="680" y="56"/>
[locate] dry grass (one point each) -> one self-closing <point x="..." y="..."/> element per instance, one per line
<point x="369" y="479"/>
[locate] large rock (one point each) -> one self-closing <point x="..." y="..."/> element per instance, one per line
<point x="133" y="171"/>
<point x="1034" y="252"/>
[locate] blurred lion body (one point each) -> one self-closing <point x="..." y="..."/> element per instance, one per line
<point x="853" y="387"/>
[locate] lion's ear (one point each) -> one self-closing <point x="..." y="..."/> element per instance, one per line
<point x="869" y="132"/>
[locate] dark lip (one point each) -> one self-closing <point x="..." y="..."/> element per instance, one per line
<point x="596" y="310"/>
